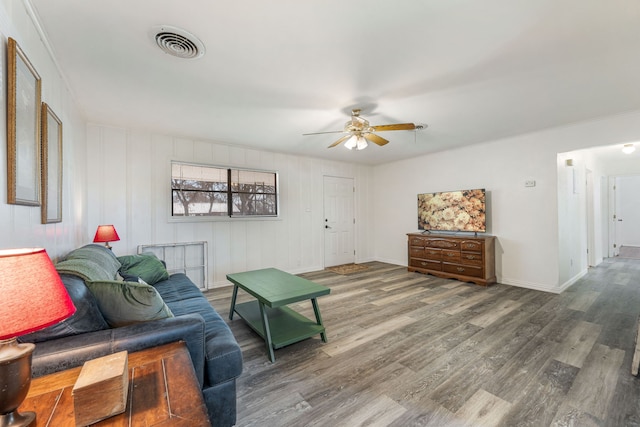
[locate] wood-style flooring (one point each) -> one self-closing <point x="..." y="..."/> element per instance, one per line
<point x="407" y="349"/>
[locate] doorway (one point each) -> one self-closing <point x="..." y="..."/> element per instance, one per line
<point x="626" y="213"/>
<point x="339" y="236"/>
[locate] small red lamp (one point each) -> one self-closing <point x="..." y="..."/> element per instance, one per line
<point x="106" y="234"/>
<point x="33" y="297"/>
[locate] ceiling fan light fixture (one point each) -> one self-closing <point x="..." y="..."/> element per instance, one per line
<point x="628" y="148"/>
<point x="351" y="142"/>
<point x="361" y="143"/>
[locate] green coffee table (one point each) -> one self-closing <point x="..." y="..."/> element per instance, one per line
<point x="268" y="314"/>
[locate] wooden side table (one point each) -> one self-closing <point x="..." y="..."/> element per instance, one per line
<point x="163" y="390"/>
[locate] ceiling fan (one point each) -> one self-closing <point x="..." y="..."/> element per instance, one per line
<point x="359" y="131"/>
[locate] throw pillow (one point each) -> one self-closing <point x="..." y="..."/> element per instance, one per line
<point x="87" y="317"/>
<point x="98" y="254"/>
<point x="83" y="268"/>
<point x="123" y="303"/>
<point x="144" y="266"/>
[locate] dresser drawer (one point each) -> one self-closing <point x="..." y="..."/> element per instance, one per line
<point x="450" y="256"/>
<point x="427" y="264"/>
<point x="472" y="258"/>
<point x="443" y="243"/>
<point x="470" y="245"/>
<point x="416" y="251"/>
<point x="417" y="241"/>
<point x="466" y="270"/>
<point x="433" y="254"/>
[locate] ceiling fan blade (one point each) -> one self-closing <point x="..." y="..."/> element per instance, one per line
<point x="399" y="126"/>
<point x="344" y="138"/>
<point x="375" y="139"/>
<point x="321" y="133"/>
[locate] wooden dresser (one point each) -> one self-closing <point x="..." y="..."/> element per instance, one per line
<point x="465" y="258"/>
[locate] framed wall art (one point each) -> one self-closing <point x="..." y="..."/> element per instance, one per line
<point x="23" y="128"/>
<point x="51" y="166"/>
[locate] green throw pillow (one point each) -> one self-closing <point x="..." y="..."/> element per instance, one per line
<point x="84" y="268"/>
<point x="144" y="266"/>
<point x="123" y="303"/>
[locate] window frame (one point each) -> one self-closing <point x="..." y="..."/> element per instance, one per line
<point x="229" y="214"/>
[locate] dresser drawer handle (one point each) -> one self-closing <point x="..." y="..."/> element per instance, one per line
<point x="461" y="269"/>
<point x="450" y="255"/>
<point x="423" y="263"/>
<point x="470" y="257"/>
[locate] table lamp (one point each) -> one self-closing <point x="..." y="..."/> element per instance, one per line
<point x="33" y="297"/>
<point x="106" y="234"/>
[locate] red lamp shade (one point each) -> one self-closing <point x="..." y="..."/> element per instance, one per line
<point x="106" y="233"/>
<point x="33" y="296"/>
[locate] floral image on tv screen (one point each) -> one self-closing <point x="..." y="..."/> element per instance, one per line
<point x="452" y="211"/>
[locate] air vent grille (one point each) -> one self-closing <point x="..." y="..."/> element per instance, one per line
<point x="178" y="42"/>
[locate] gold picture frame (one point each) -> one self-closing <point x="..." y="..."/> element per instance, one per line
<point x="23" y="128"/>
<point x="51" y="166"/>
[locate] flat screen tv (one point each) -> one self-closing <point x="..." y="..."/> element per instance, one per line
<point x="462" y="210"/>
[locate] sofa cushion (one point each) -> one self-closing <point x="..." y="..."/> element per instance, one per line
<point x="84" y="268"/>
<point x="177" y="288"/>
<point x="87" y="317"/>
<point x="224" y="358"/>
<point x="98" y="254"/>
<point x="123" y="303"/>
<point x="145" y="266"/>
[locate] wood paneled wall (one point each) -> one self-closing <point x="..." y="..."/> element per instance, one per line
<point x="128" y="177"/>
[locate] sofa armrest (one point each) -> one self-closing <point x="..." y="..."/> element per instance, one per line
<point x="69" y="352"/>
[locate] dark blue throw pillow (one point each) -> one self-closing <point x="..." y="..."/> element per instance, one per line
<point x="87" y="317"/>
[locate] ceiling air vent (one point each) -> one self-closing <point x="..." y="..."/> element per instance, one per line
<point x="178" y="42"/>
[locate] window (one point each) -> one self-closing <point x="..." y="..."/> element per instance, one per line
<point x="200" y="190"/>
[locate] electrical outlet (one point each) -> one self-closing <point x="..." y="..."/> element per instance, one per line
<point x="530" y="183"/>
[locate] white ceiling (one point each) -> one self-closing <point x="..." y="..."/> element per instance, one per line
<point x="472" y="70"/>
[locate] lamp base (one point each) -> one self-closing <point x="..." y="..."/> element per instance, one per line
<point x="15" y="379"/>
<point x="14" y="419"/>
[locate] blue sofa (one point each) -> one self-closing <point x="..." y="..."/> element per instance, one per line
<point x="216" y="356"/>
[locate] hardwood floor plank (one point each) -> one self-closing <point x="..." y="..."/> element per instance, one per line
<point x="583" y="301"/>
<point x="624" y="409"/>
<point x="578" y="344"/>
<point x="542" y="396"/>
<point x="381" y="411"/>
<point x="468" y="302"/>
<point x="595" y="384"/>
<point x="483" y="409"/>
<point x="439" y="295"/>
<point x="485" y="319"/>
<point x="370" y="334"/>
<point x="399" y="296"/>
<point x="525" y="366"/>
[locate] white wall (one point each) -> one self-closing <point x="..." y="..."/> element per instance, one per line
<point x="21" y="225"/>
<point x="573" y="259"/>
<point x="129" y="181"/>
<point x="539" y="242"/>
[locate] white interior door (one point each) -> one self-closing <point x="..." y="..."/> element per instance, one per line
<point x="628" y="211"/>
<point x="339" y="236"/>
